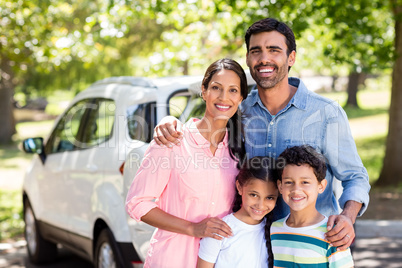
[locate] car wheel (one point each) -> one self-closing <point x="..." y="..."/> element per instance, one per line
<point x="107" y="254"/>
<point x="39" y="249"/>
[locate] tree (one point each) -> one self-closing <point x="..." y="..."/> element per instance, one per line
<point x="359" y="38"/>
<point x="392" y="168"/>
<point x="46" y="45"/>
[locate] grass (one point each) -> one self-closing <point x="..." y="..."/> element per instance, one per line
<point x="370" y="144"/>
<point x="372" y="151"/>
<point x="11" y="223"/>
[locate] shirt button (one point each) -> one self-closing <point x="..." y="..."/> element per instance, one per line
<point x="270" y="145"/>
<point x="272" y="122"/>
<point x="213" y="203"/>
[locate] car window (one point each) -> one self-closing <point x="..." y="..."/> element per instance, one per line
<point x="197" y="105"/>
<point x="141" y="119"/>
<point x="66" y="135"/>
<point x="99" y="123"/>
<point x="178" y="102"/>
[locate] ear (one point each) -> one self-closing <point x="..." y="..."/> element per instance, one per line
<point x="239" y="188"/>
<point x="247" y="59"/>
<point x="279" y="183"/>
<point x="292" y="58"/>
<point x="322" y="185"/>
<point x="202" y="92"/>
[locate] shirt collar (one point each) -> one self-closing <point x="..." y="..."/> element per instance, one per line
<point x="196" y="136"/>
<point x="299" y="100"/>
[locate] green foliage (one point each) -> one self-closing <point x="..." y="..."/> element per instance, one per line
<point x="360" y="34"/>
<point x="67" y="45"/>
<point x="11" y="216"/>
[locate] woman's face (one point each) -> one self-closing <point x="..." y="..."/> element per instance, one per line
<point x="223" y="95"/>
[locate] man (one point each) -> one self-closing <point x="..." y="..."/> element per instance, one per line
<point x="284" y="113"/>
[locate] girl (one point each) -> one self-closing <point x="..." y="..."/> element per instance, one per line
<point x="255" y="199"/>
<point x="193" y="184"/>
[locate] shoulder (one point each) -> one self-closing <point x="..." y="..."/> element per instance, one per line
<point x="230" y="219"/>
<point x="251" y="99"/>
<point x="315" y="102"/>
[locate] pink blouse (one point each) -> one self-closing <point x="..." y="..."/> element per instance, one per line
<point x="187" y="181"/>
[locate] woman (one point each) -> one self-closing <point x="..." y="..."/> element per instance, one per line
<point x="194" y="183"/>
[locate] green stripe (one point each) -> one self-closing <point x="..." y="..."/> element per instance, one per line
<point x="299" y="265"/>
<point x="300" y="238"/>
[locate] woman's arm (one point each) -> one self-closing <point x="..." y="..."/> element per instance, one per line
<point x="209" y="227"/>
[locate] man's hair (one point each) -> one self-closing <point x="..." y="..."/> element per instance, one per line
<point x="269" y="25"/>
<point x="304" y="154"/>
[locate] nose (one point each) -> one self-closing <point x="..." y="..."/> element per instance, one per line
<point x="223" y="94"/>
<point x="296" y="187"/>
<point x="264" y="59"/>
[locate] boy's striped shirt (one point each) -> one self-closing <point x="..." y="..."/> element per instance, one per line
<point x="306" y="247"/>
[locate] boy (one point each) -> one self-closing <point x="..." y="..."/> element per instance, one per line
<point x="298" y="239"/>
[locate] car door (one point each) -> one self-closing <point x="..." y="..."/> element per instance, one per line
<point x="86" y="177"/>
<point x="61" y="148"/>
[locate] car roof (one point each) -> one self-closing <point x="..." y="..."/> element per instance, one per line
<point x="121" y="85"/>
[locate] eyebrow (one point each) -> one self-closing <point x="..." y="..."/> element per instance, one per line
<point x="232" y="85"/>
<point x="269" y="47"/>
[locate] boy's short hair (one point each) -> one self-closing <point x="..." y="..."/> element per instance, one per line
<point x="303" y="154"/>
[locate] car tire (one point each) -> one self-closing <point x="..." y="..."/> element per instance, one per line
<point x="39" y="249"/>
<point x="107" y="254"/>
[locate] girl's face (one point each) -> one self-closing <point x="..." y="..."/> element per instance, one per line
<point x="223" y="95"/>
<point x="258" y="199"/>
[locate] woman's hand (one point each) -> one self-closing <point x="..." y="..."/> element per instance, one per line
<point x="209" y="227"/>
<point x="168" y="132"/>
<point x="212" y="227"/>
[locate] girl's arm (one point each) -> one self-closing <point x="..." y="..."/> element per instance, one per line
<point x="209" y="227"/>
<point x="204" y="264"/>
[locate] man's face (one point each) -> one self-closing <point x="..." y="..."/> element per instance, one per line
<point x="267" y="58"/>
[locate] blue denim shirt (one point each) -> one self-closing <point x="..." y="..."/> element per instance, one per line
<point x="320" y="122"/>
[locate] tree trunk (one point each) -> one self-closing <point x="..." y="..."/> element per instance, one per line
<point x="7" y="122"/>
<point x="185" y="67"/>
<point x="391" y="174"/>
<point x="355" y="79"/>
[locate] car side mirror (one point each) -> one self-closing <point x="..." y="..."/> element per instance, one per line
<point x="33" y="145"/>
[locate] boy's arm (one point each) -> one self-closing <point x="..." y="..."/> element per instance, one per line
<point x="204" y="264"/>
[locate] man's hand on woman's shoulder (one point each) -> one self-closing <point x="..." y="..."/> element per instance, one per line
<point x="168" y="132"/>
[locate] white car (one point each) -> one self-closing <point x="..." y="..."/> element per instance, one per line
<point x="74" y="191"/>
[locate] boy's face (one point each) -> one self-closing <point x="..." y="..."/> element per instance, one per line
<point x="300" y="188"/>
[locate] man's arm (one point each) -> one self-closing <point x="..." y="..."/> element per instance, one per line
<point x="168" y="132"/>
<point x="346" y="166"/>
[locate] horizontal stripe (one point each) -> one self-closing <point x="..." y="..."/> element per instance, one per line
<point x="286" y="264"/>
<point x="298" y="259"/>
<point x="300" y="238"/>
<point x="298" y="249"/>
